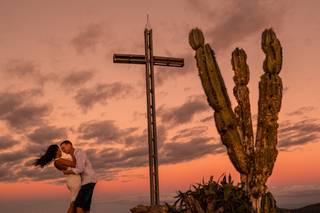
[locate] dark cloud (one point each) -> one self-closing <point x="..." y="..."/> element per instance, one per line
<point x="22" y="68"/>
<point x="136" y="139"/>
<point x="47" y="135"/>
<point x="292" y="134"/>
<point x="23" y="117"/>
<point x="38" y="174"/>
<point x="29" y="173"/>
<point x="207" y="119"/>
<point x="301" y="111"/>
<point x="184" y="113"/>
<point x="3" y="173"/>
<point x="142" y="139"/>
<point x="34" y="150"/>
<point x="18" y="165"/>
<point x="102" y="93"/>
<point x="162" y="135"/>
<point x="169" y="154"/>
<point x="298" y="133"/>
<point x="12" y="100"/>
<point x="13" y="156"/>
<point x="105" y="132"/>
<point x="134" y="157"/>
<point x="89" y="38"/>
<point x="188" y="144"/>
<point x="78" y="78"/>
<point x="135" y="150"/>
<point x="236" y="20"/>
<point x="19" y="113"/>
<point x="115" y="158"/>
<point x="108" y="160"/>
<point x="195" y="148"/>
<point x="190" y="132"/>
<point x="7" y="142"/>
<point x="27" y="69"/>
<point x="107" y="156"/>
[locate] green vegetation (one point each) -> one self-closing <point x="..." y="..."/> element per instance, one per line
<point x="213" y="196"/>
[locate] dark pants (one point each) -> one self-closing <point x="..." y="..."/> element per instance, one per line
<point x="84" y="197"/>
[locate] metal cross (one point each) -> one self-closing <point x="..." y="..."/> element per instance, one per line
<point x="149" y="60"/>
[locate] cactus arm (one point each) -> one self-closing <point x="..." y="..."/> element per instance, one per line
<point x="218" y="99"/>
<point x="241" y="93"/>
<point x="270" y="97"/>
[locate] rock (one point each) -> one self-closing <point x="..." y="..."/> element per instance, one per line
<point x="149" y="209"/>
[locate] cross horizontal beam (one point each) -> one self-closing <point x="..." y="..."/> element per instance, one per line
<point x="141" y="59"/>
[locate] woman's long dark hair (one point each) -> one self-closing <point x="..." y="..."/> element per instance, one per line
<point x="47" y="157"/>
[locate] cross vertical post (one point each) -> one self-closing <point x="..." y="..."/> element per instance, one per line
<point x="152" y="126"/>
<point x="149" y="60"/>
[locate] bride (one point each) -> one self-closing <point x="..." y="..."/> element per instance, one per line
<point x="62" y="162"/>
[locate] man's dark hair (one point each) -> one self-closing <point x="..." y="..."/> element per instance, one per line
<point x="65" y="142"/>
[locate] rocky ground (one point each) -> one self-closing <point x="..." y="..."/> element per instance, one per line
<point x="315" y="208"/>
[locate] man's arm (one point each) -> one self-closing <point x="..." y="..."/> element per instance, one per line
<point x="59" y="165"/>
<point x="81" y="158"/>
<point x="68" y="172"/>
<point x="68" y="163"/>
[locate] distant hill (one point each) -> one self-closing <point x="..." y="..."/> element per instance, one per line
<point x="314" y="208"/>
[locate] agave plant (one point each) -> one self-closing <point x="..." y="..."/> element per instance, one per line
<point x="213" y="197"/>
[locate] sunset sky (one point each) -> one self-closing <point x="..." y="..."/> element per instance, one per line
<point x="58" y="81"/>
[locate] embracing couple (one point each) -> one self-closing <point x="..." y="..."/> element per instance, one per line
<point x="80" y="176"/>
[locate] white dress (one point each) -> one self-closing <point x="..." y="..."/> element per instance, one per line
<point x="73" y="181"/>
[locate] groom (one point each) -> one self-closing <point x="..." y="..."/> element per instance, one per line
<point x="88" y="176"/>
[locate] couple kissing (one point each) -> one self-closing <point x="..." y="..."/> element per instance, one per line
<point x="77" y="169"/>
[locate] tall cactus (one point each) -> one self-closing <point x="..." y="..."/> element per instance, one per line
<point x="254" y="161"/>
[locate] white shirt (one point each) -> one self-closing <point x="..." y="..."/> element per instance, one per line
<point x="84" y="168"/>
